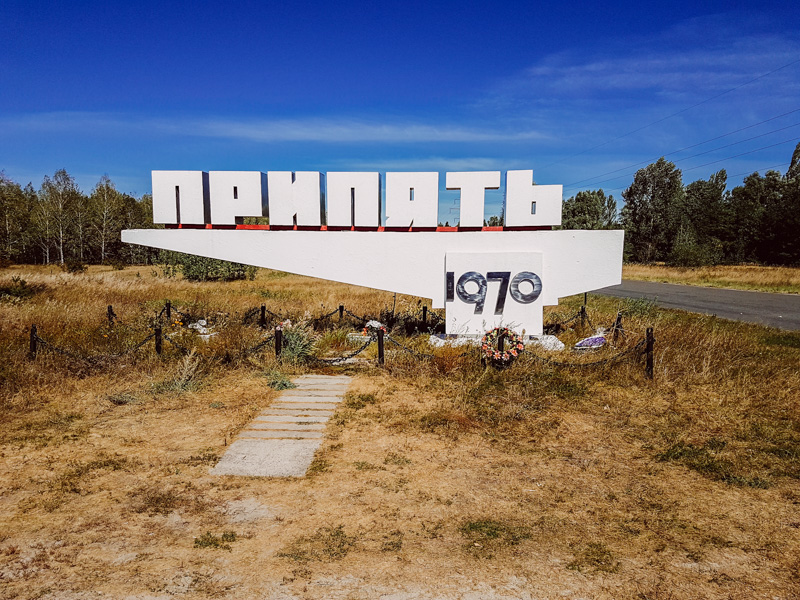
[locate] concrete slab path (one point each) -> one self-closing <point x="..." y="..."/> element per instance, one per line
<point x="282" y="439"/>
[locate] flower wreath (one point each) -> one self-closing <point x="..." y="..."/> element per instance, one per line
<point x="513" y="346"/>
<point x="372" y="327"/>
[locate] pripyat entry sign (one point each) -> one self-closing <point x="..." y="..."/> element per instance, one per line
<point x="342" y="227"/>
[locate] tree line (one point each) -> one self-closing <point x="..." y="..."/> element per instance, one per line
<point x="664" y="220"/>
<point x="59" y="224"/>
<point x="701" y="223"/>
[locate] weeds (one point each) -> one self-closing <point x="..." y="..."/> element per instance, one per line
<point x="221" y="542"/>
<point x="155" y="501"/>
<point x="392" y="541"/>
<point x="362" y="465"/>
<point x="707" y="460"/>
<point x="298" y="343"/>
<point x="487" y="536"/>
<point x="396" y="459"/>
<point x="318" y="465"/>
<point x="327" y="544"/>
<point x="597" y="557"/>
<point x="186" y="376"/>
<point x="358" y="401"/>
<point x="278" y="381"/>
<point x="122" y="399"/>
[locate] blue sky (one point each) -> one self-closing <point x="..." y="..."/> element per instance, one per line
<point x="570" y="91"/>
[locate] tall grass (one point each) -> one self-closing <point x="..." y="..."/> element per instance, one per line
<point x="742" y="277"/>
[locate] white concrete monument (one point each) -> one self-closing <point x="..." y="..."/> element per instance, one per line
<point x="332" y="228"/>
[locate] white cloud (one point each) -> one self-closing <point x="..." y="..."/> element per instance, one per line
<point x="437" y="163"/>
<point x="690" y="62"/>
<point x="334" y="130"/>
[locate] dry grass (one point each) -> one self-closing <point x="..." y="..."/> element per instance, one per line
<point x="435" y="478"/>
<point x="738" y="277"/>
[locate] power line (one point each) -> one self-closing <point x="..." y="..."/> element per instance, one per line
<point x="696" y="155"/>
<point x="661" y="120"/>
<point x="742" y="154"/>
<point x="750" y="172"/>
<point x="765" y="169"/>
<point x="719" y="137"/>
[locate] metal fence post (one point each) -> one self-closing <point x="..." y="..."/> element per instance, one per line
<point x="110" y="314"/>
<point x="650" y="341"/>
<point x="169" y="309"/>
<point x="34" y="343"/>
<point x="424" y="316"/>
<point x="341" y="311"/>
<point x="583" y="316"/>
<point x="380" y="347"/>
<point x="278" y="340"/>
<point x="158" y="339"/>
<point x="617" y="325"/>
<point x="262" y="322"/>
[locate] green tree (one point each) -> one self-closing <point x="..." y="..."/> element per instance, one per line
<point x="793" y="172"/>
<point x="108" y="216"/>
<point x="653" y="211"/>
<point x="60" y="196"/>
<point x="780" y="236"/>
<point x="747" y="205"/>
<point x="589" y="210"/>
<point x="14" y="219"/>
<point x="704" y="223"/>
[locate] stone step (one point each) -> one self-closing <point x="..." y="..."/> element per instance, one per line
<point x="286" y="426"/>
<point x="289" y="419"/>
<point x="301" y="393"/>
<point x="289" y="435"/>
<point x="267" y="458"/>
<point x="305" y="405"/>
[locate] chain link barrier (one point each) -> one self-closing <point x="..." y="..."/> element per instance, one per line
<point x="254" y="312"/>
<point x="259" y="346"/>
<point x="91" y="359"/>
<point x="605" y="361"/>
<point x="411" y="351"/>
<point x="338" y="359"/>
<point x="180" y="347"/>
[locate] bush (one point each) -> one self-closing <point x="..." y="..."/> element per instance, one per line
<point x="298" y="343"/>
<point x="689" y="252"/>
<point x="74" y="267"/>
<point x="200" y="268"/>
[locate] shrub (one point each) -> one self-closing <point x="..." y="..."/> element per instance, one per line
<point x="297" y="343"/>
<point x="74" y="267"/>
<point x="18" y="289"/>
<point x="200" y="268"/>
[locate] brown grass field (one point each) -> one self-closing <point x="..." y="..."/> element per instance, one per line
<point x="784" y="280"/>
<point x="438" y="478"/>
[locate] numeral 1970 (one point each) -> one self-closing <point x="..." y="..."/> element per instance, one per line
<point x="478" y="298"/>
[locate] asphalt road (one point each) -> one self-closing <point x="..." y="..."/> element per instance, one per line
<point x="775" y="310"/>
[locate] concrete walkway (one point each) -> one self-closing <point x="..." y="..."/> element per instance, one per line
<point x="282" y="439"/>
